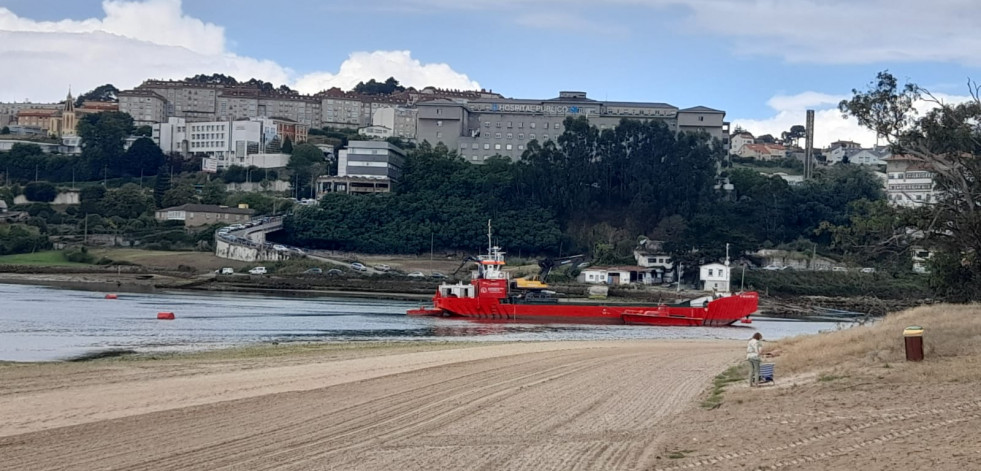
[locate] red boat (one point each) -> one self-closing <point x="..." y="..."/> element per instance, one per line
<point x="491" y="295"/>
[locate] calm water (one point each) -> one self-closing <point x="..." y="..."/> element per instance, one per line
<point x="42" y="324"/>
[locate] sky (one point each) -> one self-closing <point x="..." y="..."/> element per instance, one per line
<point x="764" y="62"/>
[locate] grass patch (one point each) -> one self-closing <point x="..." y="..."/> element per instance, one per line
<point x="734" y="374"/>
<point x="950" y="342"/>
<point x="48" y="258"/>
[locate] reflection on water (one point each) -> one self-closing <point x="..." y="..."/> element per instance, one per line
<point x="39" y="323"/>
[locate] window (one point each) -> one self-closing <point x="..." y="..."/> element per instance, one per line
<point x="521" y="147"/>
<point x="544" y="137"/>
<point x="486" y="124"/>
<point x="531" y="136"/>
<point x="439" y="123"/>
<point x="532" y="125"/>
<point x="546" y="125"/>
<point x="439" y="134"/>
<point x="701" y="118"/>
<point x="509" y="147"/>
<point x="510" y="136"/>
<point x="497" y="147"/>
<point x="497" y="135"/>
<point x="498" y="124"/>
<point x="509" y="124"/>
<point x="439" y="111"/>
<point x="474" y="146"/>
<point x="486" y="146"/>
<point x="521" y="125"/>
<point x="710" y="272"/>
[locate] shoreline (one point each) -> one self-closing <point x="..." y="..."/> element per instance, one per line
<point x="161" y="283"/>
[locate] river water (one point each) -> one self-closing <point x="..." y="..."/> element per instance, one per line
<point x="45" y="324"/>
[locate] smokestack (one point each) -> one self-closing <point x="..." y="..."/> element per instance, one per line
<point x="809" y="146"/>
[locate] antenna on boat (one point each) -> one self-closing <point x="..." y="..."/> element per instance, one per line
<point x="490" y="243"/>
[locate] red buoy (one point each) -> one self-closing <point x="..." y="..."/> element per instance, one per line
<point x="169" y="316"/>
<point x="111" y="296"/>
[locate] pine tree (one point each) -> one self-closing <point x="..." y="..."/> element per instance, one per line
<point x="161" y="186"/>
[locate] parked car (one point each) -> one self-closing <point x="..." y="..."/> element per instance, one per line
<point x="774" y="267"/>
<point x="438" y="275"/>
<point x="334" y="272"/>
<point x="868" y="270"/>
<point x="839" y="269"/>
<point x="359" y="267"/>
<point x="382" y="267"/>
<point x="416" y="274"/>
<point x="258" y="271"/>
<point x="314" y="271"/>
<point x="235" y="227"/>
<point x="280" y="248"/>
<point x="226" y="271"/>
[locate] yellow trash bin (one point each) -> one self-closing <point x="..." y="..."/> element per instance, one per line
<point x="913" y="335"/>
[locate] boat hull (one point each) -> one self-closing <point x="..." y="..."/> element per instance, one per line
<point x="719" y="312"/>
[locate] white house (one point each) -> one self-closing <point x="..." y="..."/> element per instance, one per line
<point x="714" y="277"/>
<point x="616" y="275"/>
<point x="738" y="140"/>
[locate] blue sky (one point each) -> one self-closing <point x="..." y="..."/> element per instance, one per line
<point x="761" y="61"/>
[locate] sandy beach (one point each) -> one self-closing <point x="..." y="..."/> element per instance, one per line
<point x="843" y="400"/>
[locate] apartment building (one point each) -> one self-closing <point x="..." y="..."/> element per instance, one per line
<point x="228" y="142"/>
<point x="486" y="127"/>
<point x="364" y="167"/>
<point x="909" y="182"/>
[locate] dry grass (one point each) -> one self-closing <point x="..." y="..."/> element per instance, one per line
<point x="951" y="345"/>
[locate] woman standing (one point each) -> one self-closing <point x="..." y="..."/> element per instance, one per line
<point x="753" y="351"/>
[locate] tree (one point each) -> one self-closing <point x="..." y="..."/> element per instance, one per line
<point x="219" y="79"/>
<point x="213" y="193"/>
<point x="372" y="87"/>
<point x="5" y="130"/>
<point x="794" y="135"/>
<point x="127" y="202"/>
<point x="161" y="186"/>
<point x="143" y="158"/>
<point x="947" y="143"/>
<point x="287" y="145"/>
<point x="766" y="139"/>
<point x="178" y="195"/>
<point x="144" y="131"/>
<point x="105" y="92"/>
<point x="90" y="199"/>
<point x="103" y="136"/>
<point x="43" y="192"/>
<point x="307" y="163"/>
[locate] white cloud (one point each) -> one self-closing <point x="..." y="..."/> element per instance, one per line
<point x="381" y="65"/>
<point x="135" y="41"/>
<point x="156" y="21"/>
<point x="829" y="123"/>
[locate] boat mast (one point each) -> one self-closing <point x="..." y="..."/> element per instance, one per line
<point x="489" y="242"/>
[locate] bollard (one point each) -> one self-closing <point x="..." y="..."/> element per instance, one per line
<point x="913" y="335"/>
